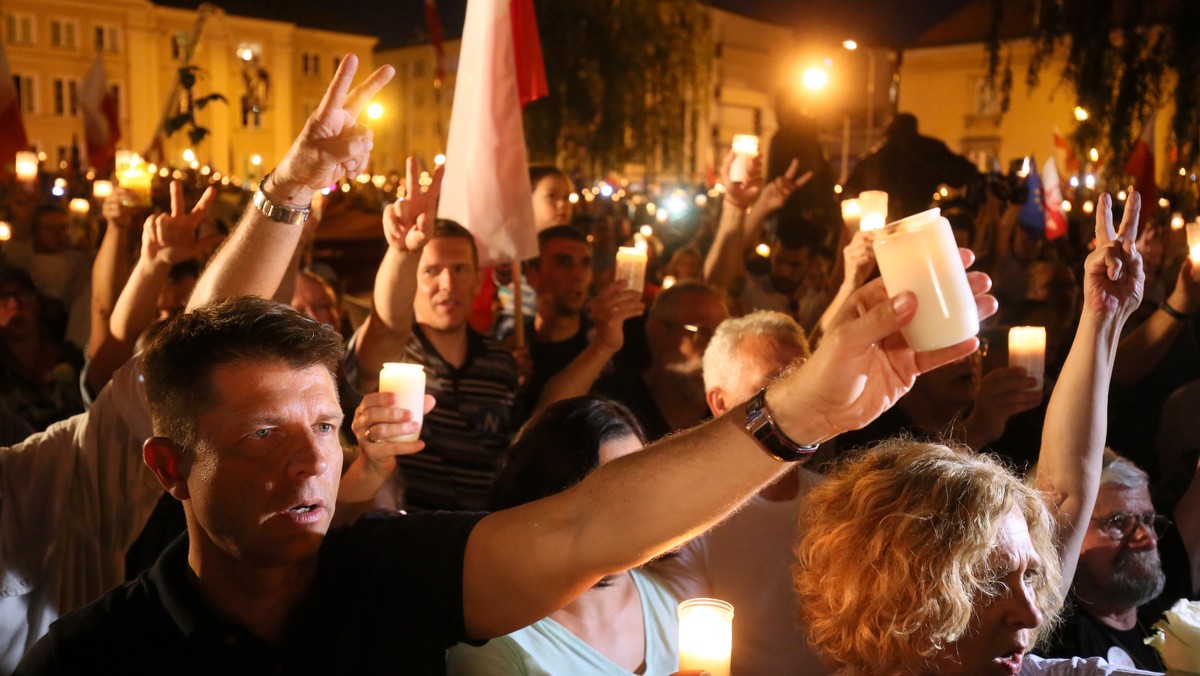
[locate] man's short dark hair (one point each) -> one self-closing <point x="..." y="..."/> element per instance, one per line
<point x="444" y="227"/>
<point x="568" y="232"/>
<point x="180" y="360"/>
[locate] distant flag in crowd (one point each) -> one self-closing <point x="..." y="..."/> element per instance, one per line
<point x="1052" y="199"/>
<point x="486" y="184"/>
<point x="1033" y="213"/>
<point x="1141" y="166"/>
<point x="101" y="129"/>
<point x="12" y="128"/>
<point x="433" y="24"/>
<point x="1066" y="154"/>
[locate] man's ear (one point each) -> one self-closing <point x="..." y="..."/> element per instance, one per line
<point x="716" y="401"/>
<point x="164" y="457"/>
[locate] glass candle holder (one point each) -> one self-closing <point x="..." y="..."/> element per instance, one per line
<point x="1027" y="350"/>
<point x="408" y="381"/>
<point x="705" y="635"/>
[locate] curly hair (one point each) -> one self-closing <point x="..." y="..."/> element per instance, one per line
<point x="895" y="553"/>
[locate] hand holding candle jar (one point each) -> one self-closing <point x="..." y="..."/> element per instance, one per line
<point x="631" y="267"/>
<point x="919" y="254"/>
<point x="407" y="381"/>
<point x="1027" y="350"/>
<point x="745" y="146"/>
<point x="705" y="636"/>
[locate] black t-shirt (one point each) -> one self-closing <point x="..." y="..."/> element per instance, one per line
<point x="386" y="599"/>
<point x="1081" y="635"/>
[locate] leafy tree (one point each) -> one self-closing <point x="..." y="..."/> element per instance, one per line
<point x="623" y="77"/>
<point x="189" y="104"/>
<point x="1125" y="60"/>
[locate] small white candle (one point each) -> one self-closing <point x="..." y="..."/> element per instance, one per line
<point x="705" y="635"/>
<point x="79" y="206"/>
<point x="919" y="254"/>
<point x="102" y="189"/>
<point x="137" y="179"/>
<point x="1193" y="240"/>
<point x="5" y="231"/>
<point x="26" y="166"/>
<point x="1027" y="350"/>
<point x="745" y="146"/>
<point x="631" y="266"/>
<point x="874" y="206"/>
<point x="408" y="381"/>
<point x="851" y="214"/>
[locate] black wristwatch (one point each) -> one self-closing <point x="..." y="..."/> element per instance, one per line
<point x="763" y="428"/>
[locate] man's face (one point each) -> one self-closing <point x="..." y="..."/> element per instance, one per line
<point x="787" y="268"/>
<point x="1127" y="570"/>
<point x="313" y="299"/>
<point x="263" y="476"/>
<point x="563" y="275"/>
<point x="447" y="281"/>
<point x="19" y="310"/>
<point x="50" y="232"/>
<point x="999" y="633"/>
<point x="761" y="358"/>
<point x="551" y="202"/>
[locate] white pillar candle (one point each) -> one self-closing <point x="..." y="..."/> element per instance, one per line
<point x="705" y="635"/>
<point x="102" y="189"/>
<point x="873" y="205"/>
<point x="851" y="214"/>
<point x="745" y="146"/>
<point x="631" y="267"/>
<point x="26" y="166"/>
<point x="1027" y="350"/>
<point x="919" y="254"/>
<point x="408" y="381"/>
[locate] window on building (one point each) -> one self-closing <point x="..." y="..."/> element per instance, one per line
<point x="179" y="43"/>
<point x="26" y="92"/>
<point x="64" y="33"/>
<point x="19" y="29"/>
<point x="337" y="61"/>
<point x="987" y="99"/>
<point x="106" y="38"/>
<point x="310" y="63"/>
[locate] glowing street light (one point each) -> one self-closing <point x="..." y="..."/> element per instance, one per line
<point x="375" y="111"/>
<point x="1080" y="113"/>
<point x="256" y="159"/>
<point x="247" y="54"/>
<point x="850" y="45"/>
<point x="815" y="78"/>
<point x="189" y="155"/>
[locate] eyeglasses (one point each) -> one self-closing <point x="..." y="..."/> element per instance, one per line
<point x="698" y="334"/>
<point x="1122" y="524"/>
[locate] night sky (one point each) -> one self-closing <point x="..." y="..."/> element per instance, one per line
<point x="399" y="22"/>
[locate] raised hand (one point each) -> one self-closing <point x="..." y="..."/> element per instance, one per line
<point x="117" y="209"/>
<point x="742" y="194"/>
<point x="863" y="365"/>
<point x="377" y="420"/>
<point x="609" y="310"/>
<point x="332" y="143"/>
<point x="406" y="222"/>
<point x="776" y="192"/>
<point x="1112" y="274"/>
<point x="859" y="257"/>
<point x="173" y="238"/>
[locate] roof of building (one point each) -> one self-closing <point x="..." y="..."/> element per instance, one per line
<point x="972" y="21"/>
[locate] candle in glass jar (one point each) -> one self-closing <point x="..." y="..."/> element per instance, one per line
<point x="102" y="189"/>
<point x="408" y="381"/>
<point x="631" y="267"/>
<point x="745" y="146"/>
<point x="136" y="179"/>
<point x="919" y="254"/>
<point x="705" y="636"/>
<point x="26" y="166"/>
<point x="873" y="205"/>
<point x="1027" y="350"/>
<point x="851" y="214"/>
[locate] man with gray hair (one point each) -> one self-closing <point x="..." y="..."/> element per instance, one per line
<point x="1134" y="564"/>
<point x="748" y="559"/>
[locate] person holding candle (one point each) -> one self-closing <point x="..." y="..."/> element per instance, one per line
<point x="919" y="558"/>
<point x="624" y="624"/>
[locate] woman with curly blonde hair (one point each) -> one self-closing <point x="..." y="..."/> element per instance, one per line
<point x="917" y="558"/>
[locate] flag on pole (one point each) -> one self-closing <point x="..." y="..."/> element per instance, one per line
<point x="1070" y="161"/>
<point x="101" y="130"/>
<point x="1141" y="165"/>
<point x="1052" y="199"/>
<point x="12" y="127"/>
<point x="486" y="184"/>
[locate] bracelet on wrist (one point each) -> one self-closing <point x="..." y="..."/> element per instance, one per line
<point x="761" y="425"/>
<point x="1176" y="314"/>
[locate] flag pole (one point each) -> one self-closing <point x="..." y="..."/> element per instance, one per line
<point x="172" y="102"/>
<point x="518" y="310"/>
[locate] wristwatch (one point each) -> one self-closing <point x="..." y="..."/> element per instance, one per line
<point x="763" y="428"/>
<point x="278" y="213"/>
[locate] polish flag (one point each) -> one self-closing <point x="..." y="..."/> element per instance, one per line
<point x="1066" y="153"/>
<point x="1056" y="218"/>
<point x="486" y="184"/>
<point x="100" y="127"/>
<point x="12" y="128"/>
<point x="1141" y="166"/>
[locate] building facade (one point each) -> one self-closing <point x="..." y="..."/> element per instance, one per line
<point x="271" y="73"/>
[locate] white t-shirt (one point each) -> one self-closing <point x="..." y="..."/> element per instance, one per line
<point x="1033" y="665"/>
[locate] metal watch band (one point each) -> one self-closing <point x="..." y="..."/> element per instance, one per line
<point x="763" y="428"/>
<point x="275" y="212"/>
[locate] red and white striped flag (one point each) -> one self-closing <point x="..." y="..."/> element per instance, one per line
<point x="101" y="129"/>
<point x="12" y="127"/>
<point x="486" y="184"/>
<point x="1056" y="218"/>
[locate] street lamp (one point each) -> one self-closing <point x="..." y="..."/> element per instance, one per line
<point x="375" y="111"/>
<point x="815" y="78"/>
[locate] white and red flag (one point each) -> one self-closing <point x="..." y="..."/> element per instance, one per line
<point x="486" y="184"/>
<point x="1141" y="166"/>
<point x="12" y="128"/>
<point x="1052" y="200"/>
<point x="101" y="130"/>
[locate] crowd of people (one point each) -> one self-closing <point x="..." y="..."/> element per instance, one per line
<point x="199" y="472"/>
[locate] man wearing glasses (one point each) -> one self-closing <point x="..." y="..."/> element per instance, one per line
<point x="1134" y="564"/>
